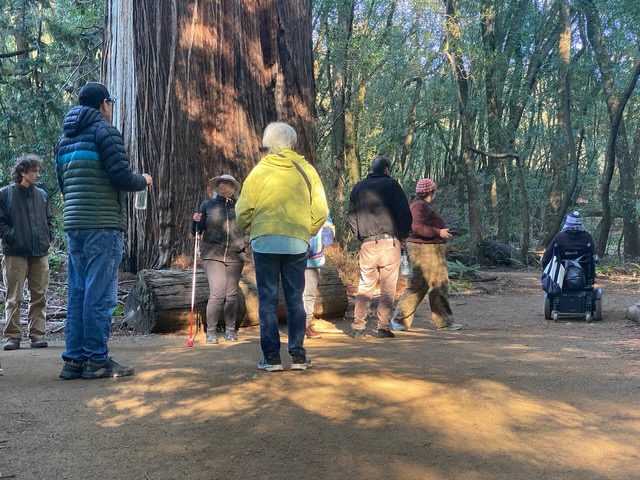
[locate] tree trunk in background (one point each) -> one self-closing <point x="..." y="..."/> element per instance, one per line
<point x="617" y="146"/>
<point x="461" y="76"/>
<point x="567" y="159"/>
<point x="198" y="82"/>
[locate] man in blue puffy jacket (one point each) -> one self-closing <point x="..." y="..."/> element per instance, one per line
<point x="94" y="177"/>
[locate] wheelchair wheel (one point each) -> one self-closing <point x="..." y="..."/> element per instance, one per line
<point x="555" y="316"/>
<point x="546" y="308"/>
<point x="598" y="309"/>
<point x="588" y="318"/>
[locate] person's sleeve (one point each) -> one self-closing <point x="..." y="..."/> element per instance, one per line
<point x="49" y="219"/>
<point x="352" y="215"/>
<point x="403" y="217"/>
<point x="245" y="205"/>
<point x="328" y="233"/>
<point x="200" y="226"/>
<point x="116" y="162"/>
<point x="319" y="207"/>
<point x="7" y="232"/>
<point x="546" y="258"/>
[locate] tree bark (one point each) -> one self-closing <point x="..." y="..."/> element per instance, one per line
<point x="198" y="81"/>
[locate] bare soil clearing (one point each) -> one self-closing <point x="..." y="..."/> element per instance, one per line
<point x="511" y="396"/>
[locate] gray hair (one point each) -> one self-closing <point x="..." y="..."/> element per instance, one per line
<point x="278" y="136"/>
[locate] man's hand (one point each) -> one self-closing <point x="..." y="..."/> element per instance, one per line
<point x="148" y="178"/>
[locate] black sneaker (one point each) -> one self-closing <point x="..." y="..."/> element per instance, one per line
<point x="357" y="334"/>
<point x="108" y="369"/>
<point x="299" y="361"/>
<point x="271" y="364"/>
<point x="385" y="333"/>
<point x="71" y="370"/>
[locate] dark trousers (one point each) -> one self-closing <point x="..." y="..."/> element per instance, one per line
<point x="270" y="269"/>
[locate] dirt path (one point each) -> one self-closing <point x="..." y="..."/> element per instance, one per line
<point x="511" y="396"/>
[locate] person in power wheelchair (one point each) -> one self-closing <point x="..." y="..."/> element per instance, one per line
<point x="578" y="296"/>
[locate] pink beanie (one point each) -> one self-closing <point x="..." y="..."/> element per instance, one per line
<point x="425" y="185"/>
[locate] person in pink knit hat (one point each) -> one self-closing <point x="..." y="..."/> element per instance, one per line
<point x="426" y="247"/>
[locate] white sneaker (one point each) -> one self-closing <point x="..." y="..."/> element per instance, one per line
<point x="398" y="327"/>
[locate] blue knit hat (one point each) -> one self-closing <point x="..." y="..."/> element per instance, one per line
<point x="573" y="220"/>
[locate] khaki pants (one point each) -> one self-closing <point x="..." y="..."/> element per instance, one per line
<point x="428" y="277"/>
<point x="379" y="262"/>
<point x="15" y="271"/>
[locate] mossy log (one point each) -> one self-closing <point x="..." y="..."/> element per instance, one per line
<point x="160" y="300"/>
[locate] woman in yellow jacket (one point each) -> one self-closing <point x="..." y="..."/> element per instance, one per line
<point x="281" y="206"/>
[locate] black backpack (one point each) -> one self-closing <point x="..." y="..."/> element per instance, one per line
<point x="574" y="275"/>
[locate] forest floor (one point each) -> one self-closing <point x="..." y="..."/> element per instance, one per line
<point x="510" y="396"/>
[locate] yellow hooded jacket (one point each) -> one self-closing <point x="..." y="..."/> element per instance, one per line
<point x="275" y="198"/>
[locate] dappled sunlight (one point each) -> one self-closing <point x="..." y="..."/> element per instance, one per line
<point x="470" y="415"/>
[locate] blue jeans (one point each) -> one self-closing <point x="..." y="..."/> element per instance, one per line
<point x="270" y="268"/>
<point x="94" y="258"/>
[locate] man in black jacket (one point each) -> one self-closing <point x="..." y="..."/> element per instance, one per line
<point x="380" y="218"/>
<point x="94" y="176"/>
<point x="26" y="229"/>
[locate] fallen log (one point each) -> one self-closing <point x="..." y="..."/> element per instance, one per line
<point x="160" y="300"/>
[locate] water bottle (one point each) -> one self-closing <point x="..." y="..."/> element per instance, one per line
<point x="140" y="200"/>
<point x="404" y="263"/>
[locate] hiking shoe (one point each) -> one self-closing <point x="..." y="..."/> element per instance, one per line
<point x="382" y="333"/>
<point x="71" y="370"/>
<point x="451" y="326"/>
<point x="397" y="326"/>
<point x="300" y="361"/>
<point x="107" y="369"/>
<point x="231" y="336"/>
<point x="357" y="334"/>
<point x="310" y="332"/>
<point x="211" y="338"/>
<point x="271" y="364"/>
<point x="38" y="341"/>
<point x="12" y="344"/>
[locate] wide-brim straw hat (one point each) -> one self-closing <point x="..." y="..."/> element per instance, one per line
<point x="213" y="183"/>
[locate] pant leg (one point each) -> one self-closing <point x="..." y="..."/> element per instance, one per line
<point x="14" y="270"/>
<point x="311" y="279"/>
<point x="38" y="282"/>
<point x="389" y="268"/>
<point x="76" y="266"/>
<point x="367" y="259"/>
<point x="103" y="250"/>
<point x="438" y="279"/>
<point x="292" y="275"/>
<point x="234" y="270"/>
<point x="267" y="268"/>
<point x="217" y="278"/>
<point x="416" y="290"/>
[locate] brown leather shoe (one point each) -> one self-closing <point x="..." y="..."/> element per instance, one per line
<point x="310" y="332"/>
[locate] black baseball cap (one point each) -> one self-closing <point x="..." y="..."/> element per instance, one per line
<point x="93" y="94"/>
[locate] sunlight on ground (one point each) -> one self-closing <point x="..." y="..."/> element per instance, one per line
<point x="501" y="421"/>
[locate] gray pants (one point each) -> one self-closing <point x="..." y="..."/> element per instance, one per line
<point x="223" y="292"/>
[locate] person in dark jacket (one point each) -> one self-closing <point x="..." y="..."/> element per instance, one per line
<point x="573" y="242"/>
<point x="380" y="218"/>
<point x="223" y="254"/>
<point x="429" y="276"/>
<point x="94" y="177"/>
<point x="26" y="229"/>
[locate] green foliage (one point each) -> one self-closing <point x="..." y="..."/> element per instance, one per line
<point x="460" y="271"/>
<point x="47" y="51"/>
<point x="617" y="266"/>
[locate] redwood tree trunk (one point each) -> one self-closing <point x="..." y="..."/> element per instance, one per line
<point x="198" y="82"/>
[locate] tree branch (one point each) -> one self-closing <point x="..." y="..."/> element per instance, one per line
<point x="17" y="53"/>
<point x="493" y="155"/>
